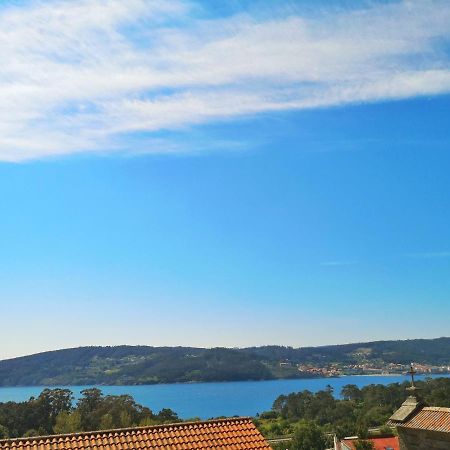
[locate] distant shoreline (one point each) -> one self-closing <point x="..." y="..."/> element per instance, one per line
<point x="380" y="375"/>
<point x="99" y="385"/>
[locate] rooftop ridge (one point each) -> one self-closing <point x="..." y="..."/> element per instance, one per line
<point x="125" y="430"/>
<point x="436" y="408"/>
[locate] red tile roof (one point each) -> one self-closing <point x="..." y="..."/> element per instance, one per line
<point x="379" y="443"/>
<point x="429" y="418"/>
<point x="223" y="434"/>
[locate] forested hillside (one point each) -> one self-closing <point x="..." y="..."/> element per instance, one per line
<point x="424" y="351"/>
<point x="131" y="365"/>
<point x="123" y="365"/>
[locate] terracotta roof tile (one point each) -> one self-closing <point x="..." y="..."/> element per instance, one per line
<point x="380" y="443"/>
<point x="223" y="434"/>
<point x="429" y="418"/>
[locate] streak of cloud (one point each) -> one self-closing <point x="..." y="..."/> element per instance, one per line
<point x="82" y="76"/>
<point x="429" y="255"/>
<point x="338" y="263"/>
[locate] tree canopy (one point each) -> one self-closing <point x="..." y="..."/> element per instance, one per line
<point x="54" y="412"/>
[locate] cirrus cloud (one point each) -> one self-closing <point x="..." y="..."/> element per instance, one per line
<point x="83" y="76"/>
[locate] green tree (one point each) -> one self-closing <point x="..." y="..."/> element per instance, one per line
<point x="106" y="422"/>
<point x="362" y="429"/>
<point x="386" y="430"/>
<point x="31" y="433"/>
<point x="55" y="401"/>
<point x="167" y="415"/>
<point x="68" y="423"/>
<point x="281" y="446"/>
<point x="149" y="421"/>
<point x="49" y="404"/>
<point x="351" y="392"/>
<point x="125" y="419"/>
<point x="364" y="445"/>
<point x="4" y="432"/>
<point x="308" y="436"/>
<point x="88" y="406"/>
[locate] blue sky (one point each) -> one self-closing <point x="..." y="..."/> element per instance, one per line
<point x="247" y="174"/>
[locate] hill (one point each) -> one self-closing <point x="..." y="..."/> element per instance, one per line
<point x="423" y="351"/>
<point x="125" y="365"/>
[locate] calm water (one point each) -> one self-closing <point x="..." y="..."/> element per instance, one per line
<point x="207" y="400"/>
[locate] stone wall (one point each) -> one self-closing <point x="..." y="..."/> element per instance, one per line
<point x="411" y="439"/>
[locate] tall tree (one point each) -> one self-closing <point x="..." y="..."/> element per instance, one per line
<point x="309" y="436"/>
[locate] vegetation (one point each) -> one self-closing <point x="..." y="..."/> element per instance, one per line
<point x="310" y="419"/>
<point x="308" y="436"/>
<point x="127" y="365"/>
<point x="54" y="412"/>
<point x="364" y="445"/>
<point x="124" y="365"/>
<point x="312" y="415"/>
<point x="423" y="351"/>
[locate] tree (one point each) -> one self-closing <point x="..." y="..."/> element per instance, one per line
<point x="362" y="429"/>
<point x="31" y="433"/>
<point x="88" y="406"/>
<point x="106" y="422"/>
<point x="167" y="415"/>
<point x="351" y="392"/>
<point x="308" y="436"/>
<point x="386" y="430"/>
<point x="55" y="401"/>
<point x="125" y="419"/>
<point x="52" y="412"/>
<point x="49" y="404"/>
<point x="68" y="423"/>
<point x="4" y="433"/>
<point x="364" y="445"/>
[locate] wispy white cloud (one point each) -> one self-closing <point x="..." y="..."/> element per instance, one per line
<point x="82" y="76"/>
<point x="339" y="263"/>
<point x="429" y="255"/>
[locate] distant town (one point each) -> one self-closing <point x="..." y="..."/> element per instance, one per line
<point x="365" y="368"/>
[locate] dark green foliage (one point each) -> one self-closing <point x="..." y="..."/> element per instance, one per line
<point x="280" y="446"/>
<point x="354" y="414"/>
<point x="53" y="412"/>
<point x="351" y="392"/>
<point x="124" y="365"/>
<point x="4" y="433"/>
<point x="132" y="365"/>
<point x="308" y="436"/>
<point x="364" y="445"/>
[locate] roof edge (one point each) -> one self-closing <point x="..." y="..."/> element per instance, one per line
<point x="436" y="408"/>
<point x="124" y="430"/>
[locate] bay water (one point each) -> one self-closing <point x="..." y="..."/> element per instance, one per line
<point x="207" y="400"/>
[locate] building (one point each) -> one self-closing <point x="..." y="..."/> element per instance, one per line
<point x="379" y="443"/>
<point x="424" y="428"/>
<point x="223" y="434"/>
<point x="421" y="427"/>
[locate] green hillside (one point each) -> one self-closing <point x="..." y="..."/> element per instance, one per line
<point x="125" y="365"/>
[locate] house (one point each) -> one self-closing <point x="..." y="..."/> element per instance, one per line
<point x="421" y="427"/>
<point x="424" y="428"/>
<point x="222" y="434"/>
